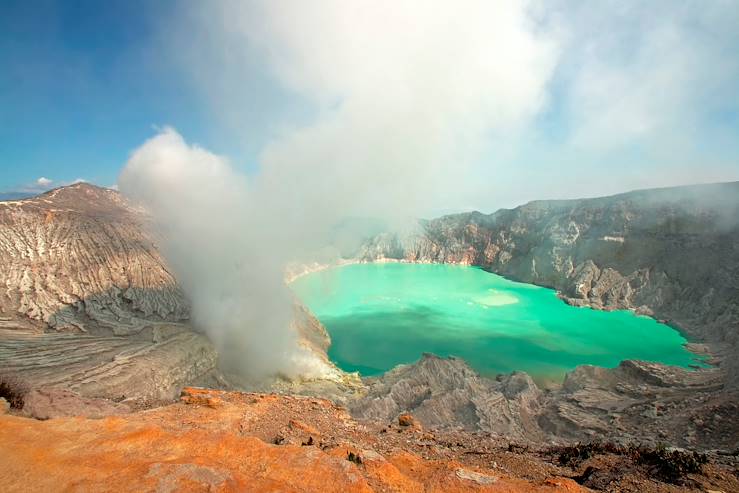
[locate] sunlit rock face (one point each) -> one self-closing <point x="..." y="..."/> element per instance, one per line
<point x="89" y="304"/>
<point x="445" y="392"/>
<point x="79" y="258"/>
<point x="671" y="253"/>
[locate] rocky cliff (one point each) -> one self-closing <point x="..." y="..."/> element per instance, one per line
<point x="671" y="253"/>
<point x="446" y="392"/>
<point x="87" y="301"/>
<point x="79" y="259"/>
<point x="90" y="305"/>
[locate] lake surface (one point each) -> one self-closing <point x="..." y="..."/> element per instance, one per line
<point x="381" y="315"/>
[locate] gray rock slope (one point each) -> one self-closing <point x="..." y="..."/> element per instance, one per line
<point x="637" y="402"/>
<point x="445" y="392"/>
<point x="79" y="258"/>
<point x="87" y="302"/>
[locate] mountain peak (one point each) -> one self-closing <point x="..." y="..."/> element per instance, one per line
<point x="80" y="197"/>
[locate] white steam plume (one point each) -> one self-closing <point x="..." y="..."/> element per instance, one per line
<point x="406" y="95"/>
<point x="214" y="241"/>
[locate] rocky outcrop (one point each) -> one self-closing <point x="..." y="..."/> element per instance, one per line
<point x="645" y="403"/>
<point x="636" y="402"/>
<point x="230" y="441"/>
<point x="50" y="403"/>
<point x="670" y="253"/>
<point x="80" y="258"/>
<point x="447" y="393"/>
<point x="87" y="303"/>
<point x="148" y="368"/>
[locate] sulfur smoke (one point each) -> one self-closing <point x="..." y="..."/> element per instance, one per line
<point x="404" y="96"/>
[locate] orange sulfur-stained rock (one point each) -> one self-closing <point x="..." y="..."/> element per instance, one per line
<point x="222" y="441"/>
<point x="409" y="421"/>
<point x="201" y="397"/>
<point x="117" y="454"/>
<point x="296" y="424"/>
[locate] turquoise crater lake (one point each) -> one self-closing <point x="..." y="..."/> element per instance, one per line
<point x="384" y="314"/>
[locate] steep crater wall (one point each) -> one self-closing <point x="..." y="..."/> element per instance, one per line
<point x="88" y="302"/>
<point x="669" y="253"/>
<point x="80" y="259"/>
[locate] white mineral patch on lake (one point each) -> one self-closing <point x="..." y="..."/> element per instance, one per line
<point x="496" y="298"/>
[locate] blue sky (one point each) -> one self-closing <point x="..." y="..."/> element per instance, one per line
<point x="78" y="90"/>
<point x="624" y="97"/>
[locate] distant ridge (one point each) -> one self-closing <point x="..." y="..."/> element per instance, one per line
<point x="706" y="192"/>
<point x="31" y="194"/>
<point x="5" y="196"/>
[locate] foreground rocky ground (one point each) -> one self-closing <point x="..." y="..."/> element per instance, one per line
<point x="229" y="441"/>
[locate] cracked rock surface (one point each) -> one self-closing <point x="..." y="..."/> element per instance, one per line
<point x="230" y="441"/>
<point x="87" y="302"/>
<point x="636" y="402"/>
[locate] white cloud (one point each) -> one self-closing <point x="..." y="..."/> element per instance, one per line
<point x="406" y="94"/>
<point x="44" y="182"/>
<point x="414" y="104"/>
<point x="643" y="71"/>
<point x="644" y="95"/>
<point x="413" y="97"/>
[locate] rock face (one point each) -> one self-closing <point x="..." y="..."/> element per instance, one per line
<point x="670" y="253"/>
<point x="642" y="402"/>
<point x="53" y="403"/>
<point x="636" y="402"/>
<point x="145" y="368"/>
<point x="88" y="303"/>
<point x="79" y="259"/>
<point x="446" y="392"/>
